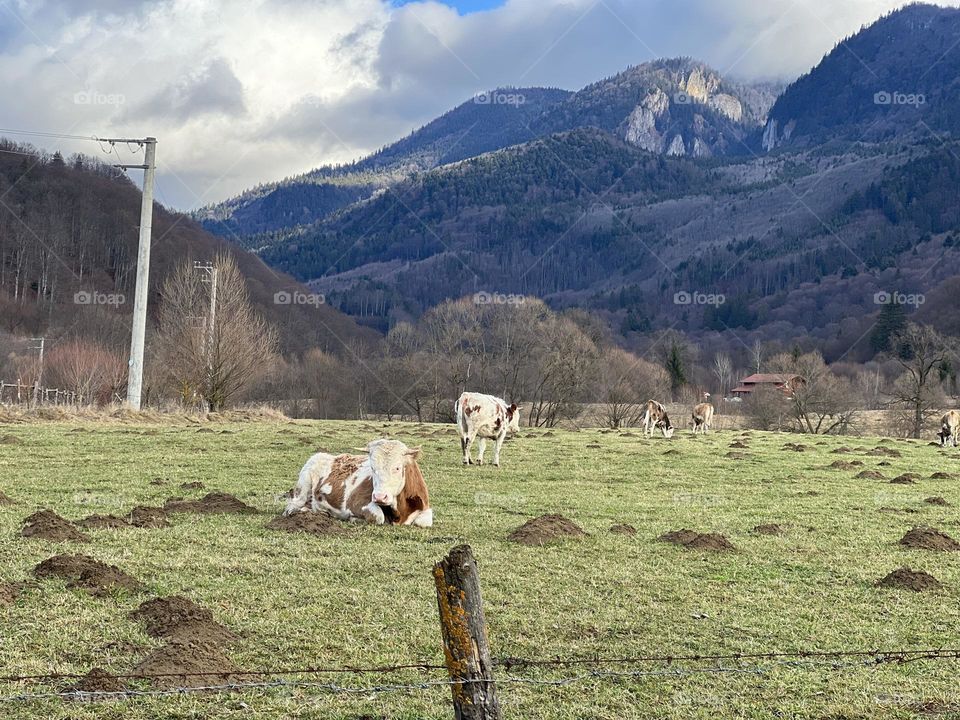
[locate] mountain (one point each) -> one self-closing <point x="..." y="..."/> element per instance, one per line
<point x="71" y="227"/>
<point x="489" y="121"/>
<point x="674" y="107"/>
<point x="899" y="75"/>
<point x="678" y="107"/>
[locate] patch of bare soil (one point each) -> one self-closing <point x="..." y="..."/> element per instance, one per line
<point x="884" y="452"/>
<point x="943" y="476"/>
<point x="937" y="500"/>
<point x="313" y="523"/>
<point x="769" y="529"/>
<point x="87" y="574"/>
<point x="870" y="475"/>
<point x="796" y="447"/>
<point x="906" y="479"/>
<point x="47" y="525"/>
<point x="98" y="681"/>
<point x="808" y="493"/>
<point x="698" y="541"/>
<point x="10" y="440"/>
<point x="842" y="450"/>
<point x="844" y="465"/>
<point x="738" y="444"/>
<point x="176" y="663"/>
<point x="898" y="511"/>
<point x="143" y="516"/>
<point x="101" y="522"/>
<point x="925" y="538"/>
<point x="177" y="618"/>
<point x="545" y="528"/>
<point x="906" y="579"/>
<point x="623" y="529"/>
<point x="594" y="445"/>
<point x="158" y="481"/>
<point x="6" y="500"/>
<point x="195" y="485"/>
<point x="9" y="592"/>
<point x="215" y="502"/>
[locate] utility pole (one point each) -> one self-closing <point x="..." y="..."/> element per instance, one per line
<point x="36" y="386"/>
<point x="210" y="270"/>
<point x="139" y="328"/>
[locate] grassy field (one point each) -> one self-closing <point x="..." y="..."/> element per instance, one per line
<point x="368" y="598"/>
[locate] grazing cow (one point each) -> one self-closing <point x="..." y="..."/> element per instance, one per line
<point x="949" y="428"/>
<point x="488" y="418"/>
<point x="702" y="416"/>
<point x="655" y="416"/>
<point x="385" y="486"/>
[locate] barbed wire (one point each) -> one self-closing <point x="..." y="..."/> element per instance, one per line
<point x="333" y="688"/>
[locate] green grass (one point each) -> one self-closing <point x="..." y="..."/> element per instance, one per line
<point x="368" y="598"/>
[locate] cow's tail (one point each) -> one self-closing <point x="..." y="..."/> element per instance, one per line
<point x="461" y="421"/>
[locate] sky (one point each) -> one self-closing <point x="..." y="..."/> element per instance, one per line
<point x="242" y="92"/>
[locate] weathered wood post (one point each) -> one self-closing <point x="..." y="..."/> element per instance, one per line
<point x="465" y="643"/>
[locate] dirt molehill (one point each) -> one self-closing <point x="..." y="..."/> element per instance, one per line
<point x="98" y="681"/>
<point x="937" y="500"/>
<point x="870" y="475"/>
<point x="47" y="525"/>
<point x="308" y="522"/>
<point x="906" y="579"/>
<point x="924" y="538"/>
<point x="906" y="479"/>
<point x="10" y="440"/>
<point x="6" y="500"/>
<point x="9" y="592"/>
<point x="179" y="619"/>
<point x="842" y="450"/>
<point x="215" y="502"/>
<point x="174" y="662"/>
<point x="884" y="452"/>
<point x="942" y="476"/>
<point x="545" y="528"/>
<point x="738" y="444"/>
<point x="623" y="529"/>
<point x="796" y="447"/>
<point x="698" y="541"/>
<point x="143" y="516"/>
<point x="769" y="529"/>
<point x="672" y="451"/>
<point x="88" y="574"/>
<point x="195" y="485"/>
<point x="735" y="455"/>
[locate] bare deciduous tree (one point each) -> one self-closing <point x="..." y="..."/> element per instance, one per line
<point x="206" y="361"/>
<point x="921" y="351"/>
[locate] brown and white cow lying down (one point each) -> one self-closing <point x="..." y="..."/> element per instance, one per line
<point x="485" y="417"/>
<point x="655" y="416"/>
<point x="949" y="428"/>
<point x="702" y="416"/>
<point x="385" y="486"/>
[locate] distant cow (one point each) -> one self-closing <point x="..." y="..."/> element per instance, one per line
<point x="702" y="416"/>
<point x="949" y="428"/>
<point x="488" y="418"/>
<point x="385" y="486"/>
<point x="655" y="416"/>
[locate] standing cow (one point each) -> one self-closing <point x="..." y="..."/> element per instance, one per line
<point x="488" y="418"/>
<point x="655" y="416"/>
<point x="702" y="415"/>
<point x="949" y="428"/>
<point x="384" y="486"/>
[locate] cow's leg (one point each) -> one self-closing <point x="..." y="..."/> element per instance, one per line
<point x="421" y="518"/>
<point x="481" y="448"/>
<point x="301" y="494"/>
<point x="467" y="442"/>
<point x="499" y="444"/>
<point x="373" y="514"/>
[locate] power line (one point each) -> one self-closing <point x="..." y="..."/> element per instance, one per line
<point x="37" y="133"/>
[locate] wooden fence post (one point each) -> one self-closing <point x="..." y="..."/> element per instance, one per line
<point x="465" y="643"/>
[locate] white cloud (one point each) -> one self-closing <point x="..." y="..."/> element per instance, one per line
<point x="248" y="91"/>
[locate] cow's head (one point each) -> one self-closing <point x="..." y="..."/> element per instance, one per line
<point x="513" y="418"/>
<point x="666" y="426"/>
<point x="944" y="434"/>
<point x="389" y="460"/>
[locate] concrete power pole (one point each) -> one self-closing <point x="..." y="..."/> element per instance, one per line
<point x="139" y="329"/>
<point x="210" y="324"/>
